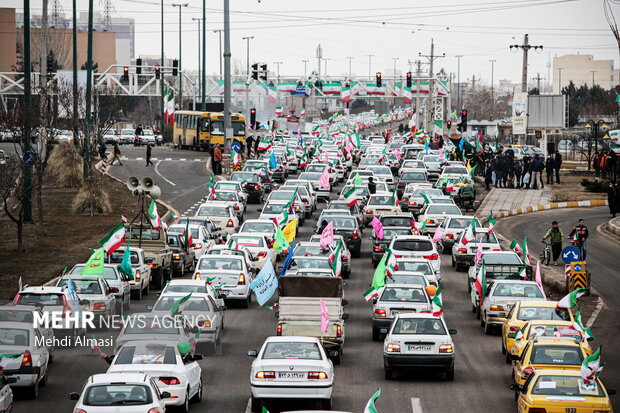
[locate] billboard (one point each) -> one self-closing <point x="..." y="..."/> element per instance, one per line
<point x="546" y="111"/>
<point x="519" y="114"/>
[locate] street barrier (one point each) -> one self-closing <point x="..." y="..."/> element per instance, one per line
<point x="577" y="277"/>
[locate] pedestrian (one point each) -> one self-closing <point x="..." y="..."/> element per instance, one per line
<point x="537" y="168"/>
<point x="549" y="168"/>
<point x="116" y="152"/>
<point x="604" y="164"/>
<point x="556" y="236"/>
<point x="518" y="173"/>
<point x="256" y="144"/>
<point x="148" y="155"/>
<point x="488" y="175"/>
<point x="499" y="173"/>
<point x="217" y="160"/>
<point x="372" y="186"/>
<point x="595" y="164"/>
<point x="557" y="166"/>
<point x="250" y="145"/>
<point x="139" y="130"/>
<point x="579" y="235"/>
<point x="102" y="149"/>
<point x="612" y="199"/>
<point x="527" y="172"/>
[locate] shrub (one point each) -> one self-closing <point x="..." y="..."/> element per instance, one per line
<point x="66" y="165"/>
<point x="92" y="198"/>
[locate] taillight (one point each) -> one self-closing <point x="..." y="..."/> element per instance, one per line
<point x="430" y="221"/>
<point x="446" y="348"/>
<point x="262" y="254"/>
<point x="317" y="375"/>
<point x="153" y="410"/>
<point x="241" y="280"/>
<point x="496" y="249"/>
<point x="257" y="186"/>
<point x="265" y="375"/>
<point x="527" y="372"/>
<point x="204" y="323"/>
<point x="27" y="359"/>
<point x="434" y="256"/>
<point x="392" y="348"/>
<point x="230" y="223"/>
<point x="355" y="235"/>
<point x="236" y="207"/>
<point x="138" y="276"/>
<point x="338" y="331"/>
<point x="84" y="411"/>
<point x="496" y="307"/>
<point x="401" y="185"/>
<point x="197" y="246"/>
<point x="152" y="265"/>
<point x="462" y="250"/>
<point x="451" y="236"/>
<point x="279" y="331"/>
<point x="170" y="381"/>
<point x="345" y="258"/>
<point x="380" y="313"/>
<point x="176" y="256"/>
<point x="378" y="248"/>
<point x="513" y="328"/>
<point x="369" y="211"/>
<point x="99" y="306"/>
<point x="537" y="410"/>
<point x="398" y="256"/>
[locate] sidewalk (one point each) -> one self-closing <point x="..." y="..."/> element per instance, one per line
<point x="613" y="226"/>
<point x="506" y="199"/>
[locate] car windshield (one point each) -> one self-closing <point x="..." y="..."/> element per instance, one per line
<point x="550" y="354"/>
<point x="181" y="230"/>
<point x="165" y="303"/>
<point x="409" y="279"/>
<point x="381" y="200"/>
<point x="42" y="298"/>
<point x="342" y="206"/>
<point x="14" y="337"/>
<point x="460" y="223"/>
<point x="175" y="242"/>
<point x="302" y="250"/>
<point x="282" y="195"/>
<point x="224" y="196"/>
<point x="310" y="176"/>
<point x="343" y="222"/>
<point x="430" y="158"/>
<point x="315" y="168"/>
<point x="380" y="170"/>
<point x="109" y="273"/>
<point x="242" y="241"/>
<point x="427" y="191"/>
<point x="422" y="326"/>
<point x="412" y="245"/>
<point x="273" y="208"/>
<point x="485" y="237"/>
<point x="117" y="257"/>
<point x="152" y="325"/>
<point x="146" y="353"/>
<point x="179" y="288"/>
<point x="439" y="209"/>
<point x="310" y="262"/>
<point x="413" y="176"/>
<point x="517" y="290"/>
<point x="213" y="211"/>
<point x="412" y="163"/>
<point x="422" y="267"/>
<point x="227" y="186"/>
<point x="455" y="170"/>
<point x="389" y="233"/>
<point x="226" y="251"/>
<point x="542" y="313"/>
<point x="244" y="176"/>
<point x="403" y="294"/>
<point x="220" y="263"/>
<point x="117" y="395"/>
<point x="280" y="350"/>
<point x="258" y="227"/>
<point x="359" y="190"/>
<point x="501" y="259"/>
<point x="12" y="314"/>
<point x="566" y="386"/>
<point x="82" y="286"/>
<point x="403" y="221"/>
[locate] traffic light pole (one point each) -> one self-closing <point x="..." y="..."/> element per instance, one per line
<point x="161" y="103"/>
<point x="27" y="113"/>
<point x="227" y="91"/>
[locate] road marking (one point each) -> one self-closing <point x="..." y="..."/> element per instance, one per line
<point x="416" y="405"/>
<point x="139" y="159"/>
<point x="168" y="159"/>
<point x="183" y="159"/>
<point x="596" y="312"/>
<point x="248" y="408"/>
<point x="197" y="160"/>
<point x="154" y="159"/>
<point x="162" y="177"/>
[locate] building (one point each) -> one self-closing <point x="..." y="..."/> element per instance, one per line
<point x="8" y="40"/>
<point x="583" y="69"/>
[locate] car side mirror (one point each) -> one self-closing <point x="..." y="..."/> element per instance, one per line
<point x="222" y="308"/>
<point x="197" y="357"/>
<point x="345" y="316"/>
<point x="514" y="357"/>
<point x="252" y="353"/>
<point x="590" y="338"/>
<point x="611" y="392"/>
<point x="452" y="331"/>
<point x="345" y="302"/>
<point x="259" y="210"/>
<point x="254" y="258"/>
<point x="374" y="301"/>
<point x="113" y="289"/>
<point x="72" y="396"/>
<point x="383" y="331"/>
<point x="334" y="354"/>
<point x="13" y="380"/>
<point x="165" y="395"/>
<point x="516" y="387"/>
<point x="149" y="307"/>
<point x="277" y="314"/>
<point x="158" y="294"/>
<point x="221" y="296"/>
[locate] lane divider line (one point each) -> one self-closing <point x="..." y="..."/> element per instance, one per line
<point x="161" y="176"/>
<point x="416" y="405"/>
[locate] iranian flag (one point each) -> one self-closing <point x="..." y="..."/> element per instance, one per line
<point x="570" y="300"/>
<point x="332" y="88"/>
<point x="13" y="360"/>
<point x="391" y="265"/>
<point x="336" y="261"/>
<point x="165" y="103"/>
<point x="279" y="110"/>
<point x="370" y="406"/>
<point x="514" y="245"/>
<point x="407" y="97"/>
<point x="302" y="113"/>
<point x="586" y="333"/>
<point x="526" y="255"/>
<point x="351" y="196"/>
<point x="437" y="304"/>
<point x="518" y="334"/>
<point x="177" y="307"/>
<point x="154" y="216"/>
<point x="187" y="234"/>
<point x="236" y="159"/>
<point x="481" y="283"/>
<point x="316" y="130"/>
<point x="346" y="94"/>
<point x="591" y="367"/>
<point x="303" y="162"/>
<point x="212" y="184"/>
<point x="491" y="223"/>
<point x="170" y="105"/>
<point x="371" y="293"/>
<point x="114" y="239"/>
<point x="272" y="94"/>
<point x="470" y="234"/>
<point x="264" y="145"/>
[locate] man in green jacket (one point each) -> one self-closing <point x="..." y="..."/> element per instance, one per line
<point x="556" y="235"/>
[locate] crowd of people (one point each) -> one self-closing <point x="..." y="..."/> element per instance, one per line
<point x="503" y="170"/>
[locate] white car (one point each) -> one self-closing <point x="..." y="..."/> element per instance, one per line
<point x="233" y="200"/>
<point x="420" y="265"/>
<point x="436" y="214"/>
<point x="231" y="186"/>
<point x="115" y="279"/>
<point x="452" y="227"/>
<point x="313" y="177"/>
<point x="380" y="203"/>
<point x="135" y="392"/>
<point x="6" y="394"/>
<point x="418" y="341"/>
<point x="463" y="255"/>
<point x="274" y="209"/>
<point x="416" y="246"/>
<point x="31" y="367"/>
<point x="196" y="287"/>
<point x="286" y="196"/>
<point x="264" y="227"/>
<point x="291" y="368"/>
<point x="148" y="137"/>
<point x="178" y="375"/>
<point x="228" y="271"/>
<point x="383" y="173"/>
<point x="26" y="314"/>
<point x="202" y="241"/>
<point x="320" y="167"/>
<point x="306" y="184"/>
<point x="127" y="135"/>
<point x="257" y="244"/>
<point x="395" y="299"/>
<point x="141" y="283"/>
<point x="221" y="214"/>
<point x="249" y="259"/>
<point x="95" y="295"/>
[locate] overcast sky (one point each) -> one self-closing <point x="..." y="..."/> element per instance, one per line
<point x="289" y="31"/>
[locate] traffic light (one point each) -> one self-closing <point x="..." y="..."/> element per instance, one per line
<point x="378" y="79"/>
<point x="157" y="72"/>
<point x="449" y="124"/>
<point x="255" y="71"/>
<point x="408" y="79"/>
<point x="126" y="73"/>
<point x="175" y="67"/>
<point x="139" y="66"/>
<point x="263" y="72"/>
<point x="252" y="118"/>
<point x="462" y="126"/>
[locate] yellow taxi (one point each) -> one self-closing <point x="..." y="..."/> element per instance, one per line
<point x="524" y="311"/>
<point x="545" y="328"/>
<point x="547" y="353"/>
<point x="562" y="391"/>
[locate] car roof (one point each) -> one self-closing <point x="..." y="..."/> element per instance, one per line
<point x="403" y="285"/>
<point x="537" y="303"/>
<point x="396" y="214"/>
<point x="281" y="339"/>
<point x="118" y="377"/>
<point x="186" y="282"/>
<point x="210" y="256"/>
<point x="420" y="315"/>
<point x="44" y="288"/>
<point x="413" y="237"/>
<point x="545" y="341"/>
<point x="513" y="281"/>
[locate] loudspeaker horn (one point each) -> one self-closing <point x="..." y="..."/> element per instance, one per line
<point x="132" y="183"/>
<point x="155" y="192"/>
<point x="147" y="183"/>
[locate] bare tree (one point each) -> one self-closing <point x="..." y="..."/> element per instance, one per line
<point x="12" y="195"/>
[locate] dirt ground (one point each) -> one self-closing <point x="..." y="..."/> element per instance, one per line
<point x="69" y="237"/>
<point x="571" y="189"/>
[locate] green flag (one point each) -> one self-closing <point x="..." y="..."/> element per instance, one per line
<point x="378" y="279"/>
<point x="94" y="265"/>
<point x="357" y="181"/>
<point x="370" y="406"/>
<point x="281" y="241"/>
<point x="125" y="266"/>
<point x="177" y="307"/>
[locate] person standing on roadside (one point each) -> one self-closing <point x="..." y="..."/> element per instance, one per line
<point x="217" y="160"/>
<point x="580" y="235"/>
<point x="102" y="149"/>
<point x="612" y="199"/>
<point x="549" y="168"/>
<point x="537" y="167"/>
<point x="116" y="152"/>
<point x="556" y="236"/>
<point x="518" y="173"/>
<point x="250" y="145"/>
<point x="149" y="149"/>
<point x="558" y="165"/>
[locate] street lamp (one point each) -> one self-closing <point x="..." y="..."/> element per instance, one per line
<point x="180" y="6"/>
<point x="305" y="61"/>
<point x="595" y="126"/>
<point x="198" y="20"/>
<point x="395" y="59"/>
<point x="220" y="35"/>
<point x="247" y="39"/>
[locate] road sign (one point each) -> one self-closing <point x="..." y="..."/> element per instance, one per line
<point x="236" y="146"/>
<point x="29" y="158"/>
<point x="300" y="90"/>
<point x="578" y="277"/>
<point x="570" y="254"/>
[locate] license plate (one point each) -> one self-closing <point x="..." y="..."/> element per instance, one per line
<point x="571" y="410"/>
<point x="419" y="348"/>
<point x="394" y="313"/>
<point x="291" y="375"/>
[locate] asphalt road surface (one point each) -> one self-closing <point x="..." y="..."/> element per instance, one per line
<point x="481" y="381"/>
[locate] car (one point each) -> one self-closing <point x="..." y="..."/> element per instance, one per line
<point x="408" y="176"/>
<point x="183" y="256"/>
<point x="150" y="327"/>
<point x="534" y="150"/>
<point x="409" y="278"/>
<point x="320" y="167"/>
<point x="228" y="271"/>
<point x="308" y="202"/>
<point x="418" y="341"/>
<point x="309" y="262"/>
<point x="397" y="219"/>
<point x="361" y="192"/>
<point x="412" y="199"/>
<point x="291" y="368"/>
<point x="435" y="214"/>
<point x="6" y="394"/>
<point x="95" y="295"/>
<point x="178" y="375"/>
<point x="257" y="244"/>
<point x="26" y="314"/>
<point x="556" y="390"/>
<point x="452" y="227"/>
<point x="350" y="230"/>
<point x="394" y="299"/>
<point x="202" y="239"/>
<point x="411" y="163"/>
<point x="463" y="254"/>
<point x="354" y="209"/>
<point x="245" y="254"/>
<point x="220" y="214"/>
<point x="501" y="296"/>
<point x="103" y="392"/>
<point x="231" y="186"/>
<point x="213" y="233"/>
<point x="30" y="368"/>
<point x="345" y="254"/>
<point x="202" y="311"/>
<point x="501" y="265"/>
<point x="545" y="328"/>
<point x="276" y="209"/>
<point x="380" y="203"/>
<point x="565" y="146"/>
<point x="148" y="137"/>
<point x="547" y="353"/>
<point x="432" y="163"/>
<point x="115" y="279"/>
<point x="383" y="173"/>
<point x="524" y="311"/>
<point x="252" y="184"/>
<point x="313" y="177"/>
<point x="453" y="172"/>
<point x="232" y="199"/>
<point x="412" y="246"/>
<point x="307" y="185"/>
<point x="141" y="283"/>
<point x="379" y="246"/>
<point x="109" y="137"/>
<point x="264" y="227"/>
<point x="286" y="196"/>
<point x="127" y="135"/>
<point x="420" y="265"/>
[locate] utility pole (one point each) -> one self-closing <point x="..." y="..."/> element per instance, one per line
<point x="560" y="79"/>
<point x="305" y="67"/>
<point x="203" y="71"/>
<point x="278" y="70"/>
<point x="219" y="32"/>
<point x="247" y="60"/>
<point x="417" y="93"/>
<point x="350" y="58"/>
<point x="180" y="6"/>
<point x="278" y="80"/>
<point x="27" y="114"/>
<point x="319" y="56"/>
<point x="75" y="69"/>
<point x="395" y="59"/>
<point x="227" y="55"/>
<point x="458" y="80"/>
<point x="197" y="20"/>
<point x="89" y="91"/>
<point x="538" y="79"/>
<point x="370" y="56"/>
<point x="247" y="82"/>
<point x="492" y="81"/>
<point x="593" y="72"/>
<point x="162" y="74"/>
<point x="431" y="87"/>
<point x="526" y="46"/>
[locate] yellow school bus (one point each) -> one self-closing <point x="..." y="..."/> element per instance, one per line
<point x="200" y="130"/>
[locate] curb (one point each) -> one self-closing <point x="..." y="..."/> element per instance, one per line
<point x="553" y="205"/>
<point x="613" y="226"/>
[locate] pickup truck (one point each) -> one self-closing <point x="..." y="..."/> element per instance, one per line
<point x="299" y="310"/>
<point x="141" y="282"/>
<point x="156" y="251"/>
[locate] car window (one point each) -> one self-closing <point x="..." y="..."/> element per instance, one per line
<point x="248" y="241"/>
<point x="213" y="211"/>
<point x="227" y="186"/>
<point x="258" y="227"/>
<point x="273" y="208"/>
<point x="415" y="267"/>
<point x="454" y="170"/>
<point x="485" y="237"/>
<point x="193" y="304"/>
<point x="517" y="290"/>
<point x="220" y="263"/>
<point x="224" y="196"/>
<point x="381" y="200"/>
<point x="20" y="316"/>
<point x="146" y="353"/>
<point x="282" y="195"/>
<point x="42" y="298"/>
<point x="146" y="325"/>
<point x="548" y="354"/>
<point x="460" y="223"/>
<point x="109" y="273"/>
<point x="413" y="176"/>
<point x="342" y="222"/>
<point x="310" y="176"/>
<point x="389" y="233"/>
<point x="409" y="279"/>
<point x="553" y="331"/>
<point x="181" y="230"/>
<point x="292" y="350"/>
<point x="310" y="262"/>
<point x="427" y="191"/>
<point x="176" y="288"/>
<point x="501" y="259"/>
<point x="359" y="190"/>
<point x="82" y="286"/>
<point x="244" y="176"/>
<point x="542" y="313"/>
<point x="174" y="242"/>
<point x="401" y="294"/>
<point x="566" y="386"/>
<point x="420" y="326"/>
<point x="412" y="245"/>
<point x="117" y="394"/>
<point x="439" y="209"/>
<point x="315" y="168"/>
<point x="14" y="337"/>
<point x="396" y="221"/>
<point x="117" y="257"/>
